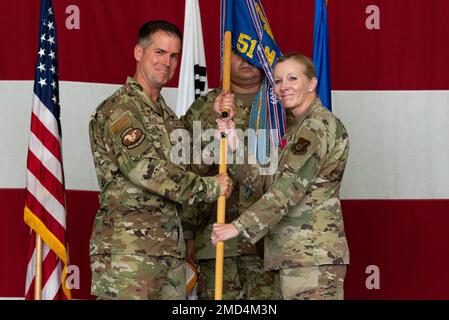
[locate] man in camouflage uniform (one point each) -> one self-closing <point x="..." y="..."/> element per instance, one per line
<point x="137" y="245"/>
<point x="243" y="275"/>
<point x="299" y="214"/>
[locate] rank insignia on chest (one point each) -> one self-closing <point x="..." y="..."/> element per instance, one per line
<point x="132" y="137"/>
<point x="300" y="147"/>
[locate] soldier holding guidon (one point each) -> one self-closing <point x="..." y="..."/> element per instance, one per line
<point x="299" y="215"/>
<point x="244" y="276"/>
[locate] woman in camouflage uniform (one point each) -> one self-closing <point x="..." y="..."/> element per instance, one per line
<point x="300" y="213"/>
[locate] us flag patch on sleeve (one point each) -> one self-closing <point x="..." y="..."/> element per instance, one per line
<point x="120" y="124"/>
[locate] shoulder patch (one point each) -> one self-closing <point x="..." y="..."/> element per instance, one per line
<point x="120" y="124"/>
<point x="300" y="147"/>
<point x="132" y="137"/>
<point x="128" y="134"/>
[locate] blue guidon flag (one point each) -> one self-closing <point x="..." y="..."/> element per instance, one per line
<point x="321" y="53"/>
<point x="253" y="40"/>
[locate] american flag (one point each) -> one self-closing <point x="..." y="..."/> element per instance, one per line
<point x="45" y="211"/>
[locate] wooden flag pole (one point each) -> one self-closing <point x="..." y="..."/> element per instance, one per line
<point x="226" y="85"/>
<point x="38" y="275"/>
<point x="221" y="206"/>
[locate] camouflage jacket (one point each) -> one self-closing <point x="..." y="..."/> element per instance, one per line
<point x="197" y="222"/>
<point x="300" y="213"/>
<point x="141" y="189"/>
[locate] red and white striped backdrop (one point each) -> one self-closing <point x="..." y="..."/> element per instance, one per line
<point x="390" y="88"/>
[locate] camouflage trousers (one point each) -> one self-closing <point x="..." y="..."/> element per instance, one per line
<point x="244" y="278"/>
<point x="133" y="277"/>
<point x="323" y="282"/>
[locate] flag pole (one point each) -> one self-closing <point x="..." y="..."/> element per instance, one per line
<point x="226" y="86"/>
<point x="221" y="206"/>
<point x="38" y="276"/>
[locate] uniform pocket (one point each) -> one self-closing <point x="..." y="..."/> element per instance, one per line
<point x="296" y="281"/>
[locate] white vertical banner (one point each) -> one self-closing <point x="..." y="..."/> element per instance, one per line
<point x="192" y="77"/>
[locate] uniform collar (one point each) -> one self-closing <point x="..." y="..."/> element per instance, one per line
<point x="316" y="103"/>
<point x="159" y="106"/>
<point x="293" y="123"/>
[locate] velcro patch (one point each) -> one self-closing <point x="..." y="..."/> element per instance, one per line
<point x="174" y="124"/>
<point x="177" y="124"/>
<point x="132" y="137"/>
<point x="300" y="147"/>
<point x="120" y="124"/>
